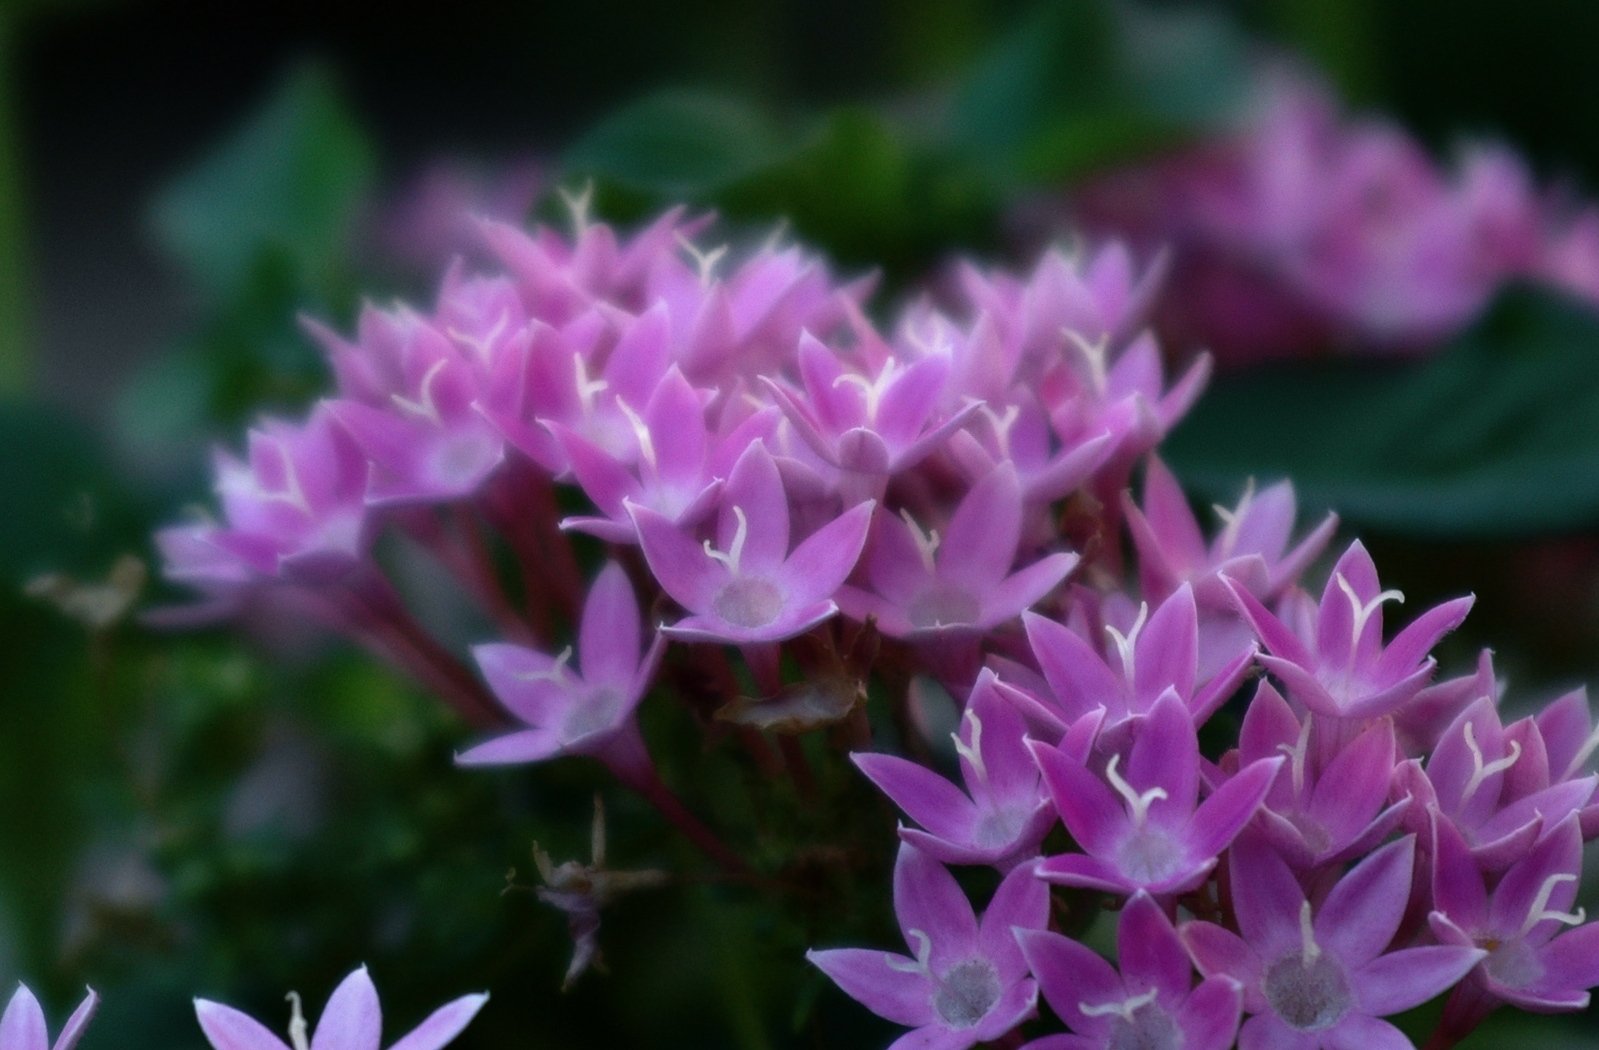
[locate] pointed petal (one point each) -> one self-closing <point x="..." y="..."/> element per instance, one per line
<point x="1078" y="869"/>
<point x="1267" y="1031"/>
<point x="923" y="795"/>
<point x="678" y="564"/>
<point x="1362" y="913"/>
<point x="1149" y="952"/>
<point x="1209" y="1019"/>
<point x="756" y="488"/>
<point x="1398" y="981"/>
<point x="1075" y="673"/>
<point x="1093" y="814"/>
<point x="1267" y="900"/>
<point x="1274" y="634"/>
<point x="928" y="900"/>
<point x="1219" y="952"/>
<point x="1024" y="588"/>
<point x="352" y="1019"/>
<point x="1168" y="648"/>
<point x="1020" y="903"/>
<point x="22" y="1025"/>
<point x="1171" y="521"/>
<point x="609" y="640"/>
<point x="1355" y="784"/>
<point x="443" y="1024"/>
<point x="877" y="981"/>
<point x="1574" y="957"/>
<point x="1412" y="644"/>
<point x="1069" y="974"/>
<point x="72" y="1031"/>
<point x="1457" y="889"/>
<point x="527" y="745"/>
<point x="1558" y="852"/>
<point x="229" y="1029"/>
<point x="1220" y="818"/>
<point x="1358" y="1032"/>
<point x="819" y="565"/>
<point x="1165" y="754"/>
<point x="980" y="543"/>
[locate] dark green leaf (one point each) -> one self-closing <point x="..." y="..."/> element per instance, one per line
<point x="1495" y="435"/>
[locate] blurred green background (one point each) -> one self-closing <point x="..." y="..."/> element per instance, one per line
<point x="229" y="815"/>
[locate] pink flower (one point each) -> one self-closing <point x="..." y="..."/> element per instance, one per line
<point x="352" y="1020"/>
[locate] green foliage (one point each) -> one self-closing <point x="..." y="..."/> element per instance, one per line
<point x="1494" y="436"/>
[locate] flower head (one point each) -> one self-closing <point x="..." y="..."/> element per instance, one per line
<point x="352" y="1020"/>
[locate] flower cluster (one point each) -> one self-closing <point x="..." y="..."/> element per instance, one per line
<point x="773" y="475"/>
<point x="1308" y="230"/>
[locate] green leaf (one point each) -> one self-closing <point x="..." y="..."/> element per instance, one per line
<point x="286" y="186"/>
<point x="1495" y="435"/>
<point x="1085" y="84"/>
<point x="678" y="144"/>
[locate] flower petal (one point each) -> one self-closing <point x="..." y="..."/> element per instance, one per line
<point x="352" y="1020"/>
<point x="1362" y="913"/>
<point x="885" y="983"/>
<point x="443" y="1024"/>
<point x="22" y="1026"/>
<point x="229" y="1029"/>
<point x="1398" y="981"/>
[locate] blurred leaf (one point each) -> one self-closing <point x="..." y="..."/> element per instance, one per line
<point x="1084" y="84"/>
<point x="1495" y="435"/>
<point x="685" y="144"/>
<point x="288" y="183"/>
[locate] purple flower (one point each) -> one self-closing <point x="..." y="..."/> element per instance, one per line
<point x="1151" y="1003"/>
<point x="966" y="981"/>
<point x="587" y="709"/>
<point x="748" y="587"/>
<point x="1002" y="815"/>
<point x="1016" y="430"/>
<point x="1251" y="547"/>
<point x="872" y="427"/>
<point x="1320" y="810"/>
<point x="1347" y="672"/>
<point x="1571" y="741"/>
<point x="1320" y="977"/>
<point x="1157" y="652"/>
<point x="924" y="584"/>
<point x="294" y="508"/>
<point x="22" y="1025"/>
<point x="1527" y="964"/>
<point x="1139" y="826"/>
<point x="1470" y="780"/>
<point x="352" y="1020"/>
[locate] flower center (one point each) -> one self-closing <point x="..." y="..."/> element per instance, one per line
<point x="594" y="712"/>
<point x="1150" y="855"/>
<point x="1150" y="1028"/>
<point x="966" y="993"/>
<point x="942" y="606"/>
<point x="749" y="601"/>
<point x="1309" y="992"/>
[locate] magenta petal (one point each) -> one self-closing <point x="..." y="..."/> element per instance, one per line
<point x="1355" y="783"/>
<point x="1558" y="852"/>
<point x="928" y="900"/>
<point x="1219" y="952"/>
<point x="609" y="639"/>
<point x="1069" y="974"/>
<point x="1220" y="818"/>
<point x="1267" y="1031"/>
<point x="22" y="1025"/>
<point x="879" y="982"/>
<point x="1024" y="588"/>
<point x="1165" y="754"/>
<point x="1574" y="957"/>
<point x="923" y="795"/>
<point x="1411" y="646"/>
<point x="756" y="489"/>
<point x="229" y="1029"/>
<point x="352" y="1019"/>
<point x="1149" y="952"/>
<point x="1457" y="888"/>
<point x="73" y="1030"/>
<point x="1209" y="1018"/>
<point x="1093" y="814"/>
<point x="526" y="745"/>
<point x="1358" y="1032"/>
<point x="1362" y="913"/>
<point x="1171" y="522"/>
<point x="980" y="542"/>
<point x="443" y="1024"/>
<point x="824" y="560"/>
<point x="1020" y="903"/>
<point x="1077" y="869"/>
<point x="1075" y="673"/>
<point x="678" y="564"/>
<point x="1268" y="912"/>
<point x="1274" y="634"/>
<point x="1398" y="981"/>
<point x="1168" y="647"/>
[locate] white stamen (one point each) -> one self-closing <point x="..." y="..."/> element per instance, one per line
<point x="871" y="389"/>
<point x="936" y="342"/>
<point x="297" y="1027"/>
<point x="1001" y="422"/>
<point x="972" y="752"/>
<point x="704" y="262"/>
<point x="774" y="240"/>
<point x="1233" y="518"/>
<point x="1297" y="753"/>
<point x="557" y="673"/>
<point x="1124" y="1009"/>
<point x="926" y="542"/>
<point x="425" y="408"/>
<point x="1364" y="610"/>
<point x="291" y="493"/>
<point x="1309" y="950"/>
<point x="577" y="205"/>
<point x="1094" y="355"/>
<point x="1138" y="803"/>
<point x="1480" y="770"/>
<point x="1540" y="911"/>
<point x="735" y="550"/>
<point x="485" y="344"/>
<point x="586" y="387"/>
<point x="1127" y="643"/>
<point x="924" y="952"/>
<point x="646" y="444"/>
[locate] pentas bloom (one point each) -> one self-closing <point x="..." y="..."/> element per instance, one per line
<point x="22" y="1025"/>
<point x="1320" y="976"/>
<point x="294" y="508"/>
<point x="1139" y="823"/>
<point x="582" y="706"/>
<point x="1534" y="959"/>
<point x="352" y="1020"/>
<point x="1157" y="653"/>
<point x="966" y="981"/>
<point x="1152" y="1003"/>
<point x="961" y="582"/>
<point x="1345" y="670"/>
<point x="1251" y="547"/>
<point x="747" y="586"/>
<point x="1002" y="815"/>
<point x="1320" y="810"/>
<point x="1471" y="778"/>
